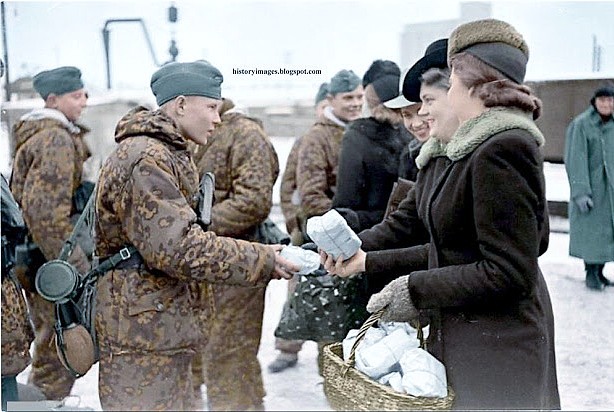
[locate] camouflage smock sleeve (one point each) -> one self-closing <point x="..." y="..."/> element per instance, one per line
<point x="287" y="189"/>
<point x="47" y="197"/>
<point x="253" y="167"/>
<point x="161" y="224"/>
<point x="311" y="177"/>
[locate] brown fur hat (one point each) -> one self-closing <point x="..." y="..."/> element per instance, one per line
<point x="485" y="31"/>
<point x="495" y="42"/>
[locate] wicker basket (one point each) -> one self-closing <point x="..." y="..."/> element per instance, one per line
<point x="348" y="389"/>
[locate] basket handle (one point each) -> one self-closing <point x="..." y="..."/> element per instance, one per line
<point x="372" y="320"/>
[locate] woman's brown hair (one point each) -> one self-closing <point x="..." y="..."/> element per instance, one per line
<point x="380" y="112"/>
<point x="492" y="86"/>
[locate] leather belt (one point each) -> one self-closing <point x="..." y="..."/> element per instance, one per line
<point x="133" y="262"/>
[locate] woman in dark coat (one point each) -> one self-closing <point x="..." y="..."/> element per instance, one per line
<point x="491" y="318"/>
<point x="370" y="152"/>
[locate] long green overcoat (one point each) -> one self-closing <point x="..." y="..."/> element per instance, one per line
<point x="589" y="160"/>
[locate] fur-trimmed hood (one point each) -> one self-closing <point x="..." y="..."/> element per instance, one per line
<point x="475" y="131"/>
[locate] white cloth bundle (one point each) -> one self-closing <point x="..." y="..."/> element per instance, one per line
<point x="307" y="260"/>
<point x="333" y="235"/>
<point x="423" y="374"/>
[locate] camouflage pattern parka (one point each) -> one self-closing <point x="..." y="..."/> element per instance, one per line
<point x="317" y="167"/>
<point x="245" y="166"/>
<point x="17" y="333"/>
<point x="288" y="194"/>
<point x="145" y="197"/>
<point x="47" y="170"/>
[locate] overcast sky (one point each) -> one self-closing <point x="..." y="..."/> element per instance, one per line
<point x="326" y="35"/>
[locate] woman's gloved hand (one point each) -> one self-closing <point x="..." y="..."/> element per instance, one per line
<point x="397" y="302"/>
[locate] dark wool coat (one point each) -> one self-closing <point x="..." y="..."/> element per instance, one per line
<point x="388" y="242"/>
<point x="407" y="163"/>
<point x="368" y="168"/>
<point x="491" y="318"/>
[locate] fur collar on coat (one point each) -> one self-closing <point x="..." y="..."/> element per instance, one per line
<point x="477" y="130"/>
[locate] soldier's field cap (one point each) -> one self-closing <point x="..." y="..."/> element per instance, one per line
<point x="322" y="92"/>
<point x="198" y="78"/>
<point x="344" y="81"/>
<point x="494" y="42"/>
<point x="58" y="81"/>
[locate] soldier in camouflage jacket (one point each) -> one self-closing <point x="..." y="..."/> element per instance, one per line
<point x="149" y="310"/>
<point x="17" y="334"/>
<point x="245" y="166"/>
<point x="318" y="156"/>
<point x="47" y="171"/>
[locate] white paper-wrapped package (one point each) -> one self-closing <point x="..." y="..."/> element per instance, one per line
<point x="390" y="327"/>
<point x="307" y="260"/>
<point x="333" y="235"/>
<point x="371" y="336"/>
<point x="423" y="374"/>
<point x="383" y="356"/>
<point x="394" y="379"/>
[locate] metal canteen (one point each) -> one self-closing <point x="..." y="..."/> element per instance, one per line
<point x="57" y="281"/>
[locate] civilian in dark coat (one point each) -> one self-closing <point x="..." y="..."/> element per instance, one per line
<point x="370" y="150"/>
<point x="491" y="318"/>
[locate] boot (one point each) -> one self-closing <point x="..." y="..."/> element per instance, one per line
<point x="602" y="278"/>
<point x="592" y="277"/>
<point x="284" y="361"/>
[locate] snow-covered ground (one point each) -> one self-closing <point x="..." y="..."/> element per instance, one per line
<point x="584" y="322"/>
<point x="584" y="338"/>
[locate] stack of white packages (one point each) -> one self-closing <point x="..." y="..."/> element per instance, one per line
<point x="392" y="356"/>
<point x="333" y="235"/>
<point x="307" y="260"/>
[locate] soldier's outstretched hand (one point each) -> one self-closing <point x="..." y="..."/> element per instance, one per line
<point x="284" y="269"/>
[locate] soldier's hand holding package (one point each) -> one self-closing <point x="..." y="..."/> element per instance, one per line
<point x="284" y="269"/>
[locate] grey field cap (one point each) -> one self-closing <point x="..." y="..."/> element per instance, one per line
<point x="199" y="78"/>
<point x="344" y="81"/>
<point x="58" y="81"/>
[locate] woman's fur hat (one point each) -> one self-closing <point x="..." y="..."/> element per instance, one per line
<point x="494" y="42"/>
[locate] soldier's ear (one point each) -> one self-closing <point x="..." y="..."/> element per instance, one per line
<point x="51" y="101"/>
<point x="180" y="105"/>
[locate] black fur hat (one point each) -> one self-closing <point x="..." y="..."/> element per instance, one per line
<point x="378" y="69"/>
<point x="606" y="90"/>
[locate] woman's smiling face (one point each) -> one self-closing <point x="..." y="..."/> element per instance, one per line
<point x="438" y="112"/>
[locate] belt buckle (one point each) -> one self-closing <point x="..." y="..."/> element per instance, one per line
<point x="125" y="253"/>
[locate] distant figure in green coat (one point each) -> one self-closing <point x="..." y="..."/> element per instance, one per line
<point x="589" y="160"/>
